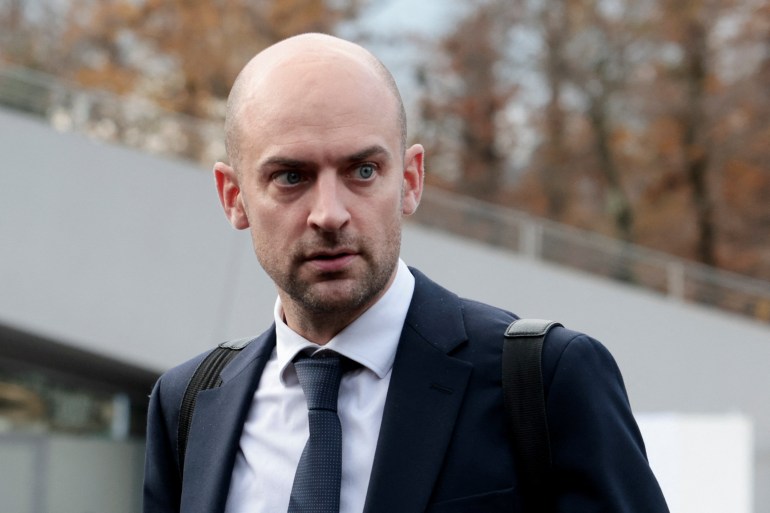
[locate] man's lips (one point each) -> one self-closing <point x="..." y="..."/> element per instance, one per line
<point x="331" y="261"/>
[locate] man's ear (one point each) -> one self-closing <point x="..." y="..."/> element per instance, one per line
<point x="230" y="195"/>
<point x="414" y="174"/>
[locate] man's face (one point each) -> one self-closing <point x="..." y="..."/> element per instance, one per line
<point x="323" y="184"/>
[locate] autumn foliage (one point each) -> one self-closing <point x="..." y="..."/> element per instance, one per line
<point x="183" y="54"/>
<point x="648" y="121"/>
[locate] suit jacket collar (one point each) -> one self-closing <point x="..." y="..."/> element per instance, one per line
<point x="216" y="428"/>
<point x="424" y="398"/>
<point x="436" y="314"/>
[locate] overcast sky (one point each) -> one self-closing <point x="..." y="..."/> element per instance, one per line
<point x="393" y="29"/>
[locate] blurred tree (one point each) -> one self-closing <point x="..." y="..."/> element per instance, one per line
<point x="554" y="171"/>
<point x="184" y="53"/>
<point x="742" y="206"/>
<point x="686" y="26"/>
<point x="650" y="118"/>
<point x="181" y="55"/>
<point x="585" y="56"/>
<point x="22" y="38"/>
<point x="463" y="108"/>
<point x="599" y="72"/>
<point x="709" y="107"/>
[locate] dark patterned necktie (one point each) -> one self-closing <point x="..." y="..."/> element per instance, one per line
<point x="316" y="486"/>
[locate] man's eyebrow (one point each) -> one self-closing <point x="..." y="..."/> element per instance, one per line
<point x="372" y="151"/>
<point x="284" y="162"/>
<point x="292" y="163"/>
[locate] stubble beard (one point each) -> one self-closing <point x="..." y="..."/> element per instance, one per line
<point x="328" y="299"/>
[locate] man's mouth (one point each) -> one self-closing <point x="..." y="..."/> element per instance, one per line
<point x="330" y="256"/>
<point x="331" y="261"/>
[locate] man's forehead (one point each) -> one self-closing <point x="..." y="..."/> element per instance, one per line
<point x="308" y="49"/>
<point x="308" y="70"/>
<point x="312" y="76"/>
<point x="319" y="136"/>
<point x="314" y="91"/>
<point x="312" y="85"/>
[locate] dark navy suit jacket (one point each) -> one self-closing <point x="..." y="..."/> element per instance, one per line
<point x="443" y="445"/>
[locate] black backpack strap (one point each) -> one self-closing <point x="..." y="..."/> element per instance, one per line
<point x="524" y="398"/>
<point x="206" y="376"/>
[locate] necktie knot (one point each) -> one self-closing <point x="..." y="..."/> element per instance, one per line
<point x="319" y="376"/>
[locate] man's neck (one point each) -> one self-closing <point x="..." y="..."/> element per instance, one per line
<point x="320" y="327"/>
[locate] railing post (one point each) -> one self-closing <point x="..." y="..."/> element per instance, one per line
<point x="531" y="238"/>
<point x="81" y="108"/>
<point x="675" y="278"/>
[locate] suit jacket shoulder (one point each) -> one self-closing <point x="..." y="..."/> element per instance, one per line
<point x="599" y="460"/>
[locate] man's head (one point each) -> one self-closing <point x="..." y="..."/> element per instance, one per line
<point x="329" y="45"/>
<point x="320" y="175"/>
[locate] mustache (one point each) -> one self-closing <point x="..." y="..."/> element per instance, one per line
<point x="329" y="242"/>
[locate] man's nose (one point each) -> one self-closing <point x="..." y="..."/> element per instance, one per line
<point x="329" y="211"/>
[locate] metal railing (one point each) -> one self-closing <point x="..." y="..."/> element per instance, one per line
<point x="132" y="121"/>
<point x="679" y="279"/>
<point x="139" y="123"/>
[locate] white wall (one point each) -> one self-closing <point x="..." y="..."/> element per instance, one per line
<point x="704" y="463"/>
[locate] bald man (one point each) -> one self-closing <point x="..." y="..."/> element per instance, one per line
<point x="319" y="173"/>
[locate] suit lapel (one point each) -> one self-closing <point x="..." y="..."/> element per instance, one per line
<point x="424" y="398"/>
<point x="216" y="429"/>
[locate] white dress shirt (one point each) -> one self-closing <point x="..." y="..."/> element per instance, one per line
<point x="276" y="428"/>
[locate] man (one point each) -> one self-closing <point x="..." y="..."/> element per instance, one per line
<point x="320" y="174"/>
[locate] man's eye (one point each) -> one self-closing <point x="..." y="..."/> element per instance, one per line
<point x="366" y="171"/>
<point x="288" y="178"/>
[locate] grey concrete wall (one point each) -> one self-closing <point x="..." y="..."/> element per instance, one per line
<point x="116" y="251"/>
<point x="62" y="474"/>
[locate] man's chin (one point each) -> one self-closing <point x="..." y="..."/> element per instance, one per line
<point x="335" y="296"/>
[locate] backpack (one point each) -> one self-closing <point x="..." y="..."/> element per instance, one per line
<point x="523" y="398"/>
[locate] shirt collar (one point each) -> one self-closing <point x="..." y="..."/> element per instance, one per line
<point x="371" y="340"/>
